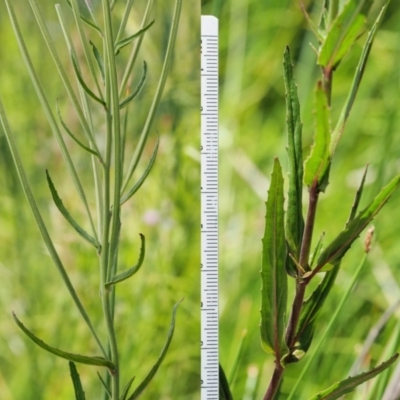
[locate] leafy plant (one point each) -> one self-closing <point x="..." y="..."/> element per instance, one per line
<point x="105" y="93"/>
<point x="287" y="241"/>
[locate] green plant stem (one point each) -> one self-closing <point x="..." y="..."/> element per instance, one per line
<point x="111" y="214"/>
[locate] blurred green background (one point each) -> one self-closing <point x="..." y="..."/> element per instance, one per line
<point x="166" y="210"/>
<point x="253" y="35"/>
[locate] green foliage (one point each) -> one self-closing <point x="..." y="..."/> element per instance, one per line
<point x="338" y="389"/>
<point x="97" y="170"/>
<point x="250" y="57"/>
<point x="273" y="273"/>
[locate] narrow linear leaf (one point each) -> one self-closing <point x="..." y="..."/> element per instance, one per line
<point x="339" y="389"/>
<point x="294" y="217"/>
<point x="337" y="132"/>
<point x="317" y="164"/>
<point x="339" y="246"/>
<point x="72" y="136"/>
<point x="343" y="32"/>
<point x="124" y="42"/>
<point x="83" y="83"/>
<point x="138" y="88"/>
<point x="126" y="389"/>
<point x="273" y="273"/>
<point x="60" y="205"/>
<point x="224" y="390"/>
<point x="78" y="358"/>
<point x="86" y="20"/>
<point x="131" y="271"/>
<point x="76" y="381"/>
<point x="144" y="176"/>
<point x="106" y="388"/>
<point x="142" y="386"/>
<point x="99" y="61"/>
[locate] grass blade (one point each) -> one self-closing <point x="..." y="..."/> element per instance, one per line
<point x="78" y="358"/>
<point x="224" y="391"/>
<point x="135" y="395"/>
<point x="131" y="271"/>
<point x="273" y="273"/>
<point x="338" y="389"/>
<point x="60" y="205"/>
<point x="337" y="132"/>
<point x="76" y="380"/>
<point x="294" y="218"/>
<point x="317" y="164"/>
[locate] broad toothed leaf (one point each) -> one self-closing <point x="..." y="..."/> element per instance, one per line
<point x="294" y="217"/>
<point x="273" y="272"/>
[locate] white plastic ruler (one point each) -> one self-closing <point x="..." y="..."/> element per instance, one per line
<point x="209" y="208"/>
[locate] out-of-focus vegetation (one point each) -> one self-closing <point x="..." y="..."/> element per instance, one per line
<point x="253" y="35"/>
<point x="166" y="209"/>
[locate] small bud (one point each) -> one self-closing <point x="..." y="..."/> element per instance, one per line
<point x="368" y="239"/>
